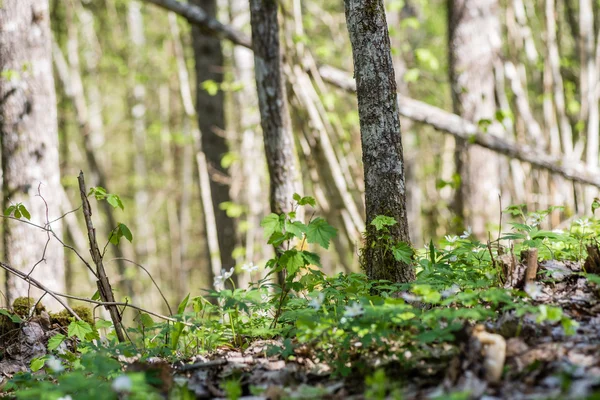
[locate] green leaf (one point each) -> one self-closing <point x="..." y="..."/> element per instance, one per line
<point x="272" y="223"/>
<point x="24" y="211"/>
<point x="126" y="232"/>
<point x="382" y="220"/>
<point x="211" y="87"/>
<point x="13" y="317"/>
<point x="79" y="329"/>
<point x="146" y="320"/>
<point x="307" y="200"/>
<point x="296" y="228"/>
<point x="9" y="210"/>
<point x="403" y="252"/>
<point x="17" y="214"/>
<point x="183" y="304"/>
<point x="311" y="258"/>
<point x="37" y="364"/>
<point x="96" y="295"/>
<point x="595" y="204"/>
<point x="55" y="341"/>
<point x="292" y="261"/>
<point x="115" y="201"/>
<point x="319" y="231"/>
<point x="103" y="324"/>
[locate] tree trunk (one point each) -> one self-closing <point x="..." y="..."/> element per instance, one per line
<point x="474" y="41"/>
<point x="380" y="135"/>
<point x="211" y="121"/>
<point x="29" y="143"/>
<point x="275" y="118"/>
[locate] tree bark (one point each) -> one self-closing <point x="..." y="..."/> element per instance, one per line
<point x="383" y="162"/>
<point x="473" y="46"/>
<point x="29" y="142"/>
<point x="272" y="100"/>
<point x="211" y="121"/>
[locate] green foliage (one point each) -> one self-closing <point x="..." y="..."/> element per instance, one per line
<point x="17" y="210"/>
<point x="342" y="319"/>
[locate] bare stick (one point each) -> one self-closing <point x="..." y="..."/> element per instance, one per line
<point x="37" y="284"/>
<point x="532" y="265"/>
<point x="104" y="288"/>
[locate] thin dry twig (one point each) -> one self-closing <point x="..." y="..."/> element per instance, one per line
<point x="151" y="278"/>
<point x="104" y="288"/>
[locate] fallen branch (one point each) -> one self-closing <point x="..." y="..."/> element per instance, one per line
<point x="413" y="109"/>
<point x="38" y="285"/>
<point x="58" y="296"/>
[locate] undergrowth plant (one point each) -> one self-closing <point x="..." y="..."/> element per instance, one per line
<point x="345" y="321"/>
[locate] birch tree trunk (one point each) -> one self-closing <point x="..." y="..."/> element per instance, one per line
<point x="211" y="121"/>
<point x="29" y="143"/>
<point x="385" y="192"/>
<point x="274" y="113"/>
<point x="474" y="42"/>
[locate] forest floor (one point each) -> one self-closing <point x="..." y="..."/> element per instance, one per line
<point x="541" y="361"/>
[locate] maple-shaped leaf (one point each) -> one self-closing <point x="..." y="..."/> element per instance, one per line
<point x="319" y="231"/>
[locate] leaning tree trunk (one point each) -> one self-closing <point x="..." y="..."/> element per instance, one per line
<point x="474" y="42"/>
<point x="29" y="143"/>
<point x="272" y="101"/>
<point x="211" y="121"/>
<point x="383" y="162"/>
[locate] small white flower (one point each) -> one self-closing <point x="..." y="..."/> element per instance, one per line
<point x="451" y="239"/>
<point x="250" y="267"/>
<point x="453" y="258"/>
<point x="466" y="233"/>
<point x="55" y="364"/>
<point x="262" y="313"/>
<point x="67" y="397"/>
<point x="353" y="310"/>
<point x="559" y="231"/>
<point x="409" y="297"/>
<point x="533" y="290"/>
<point x="317" y="302"/>
<point x="226" y="274"/>
<point x="122" y="384"/>
<point x="534" y="219"/>
<point x="450" y="291"/>
<point x="583" y="222"/>
<point x="218" y="283"/>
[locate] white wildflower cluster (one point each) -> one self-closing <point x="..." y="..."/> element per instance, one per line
<point x="122" y="384"/>
<point x="219" y="282"/>
<point x="55" y="364"/>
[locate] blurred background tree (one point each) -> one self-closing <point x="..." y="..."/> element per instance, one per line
<point x="193" y="174"/>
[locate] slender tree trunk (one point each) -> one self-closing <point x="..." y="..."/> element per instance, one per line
<point x="275" y="118"/>
<point x="385" y="190"/>
<point x="29" y="143"/>
<point x="474" y="41"/>
<point x="211" y="120"/>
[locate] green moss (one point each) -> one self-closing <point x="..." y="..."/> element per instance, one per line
<point x="22" y="305"/>
<point x="64" y="317"/>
